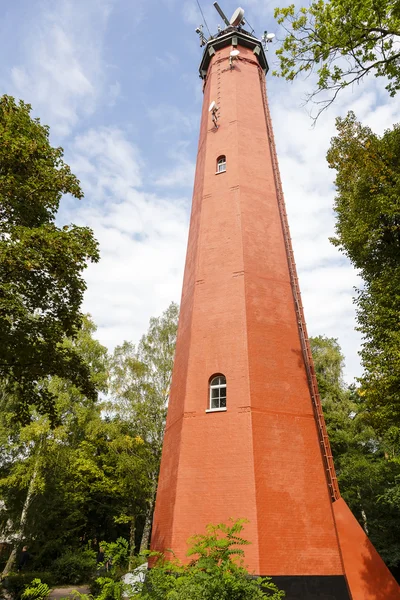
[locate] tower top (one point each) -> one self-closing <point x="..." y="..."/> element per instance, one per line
<point x="233" y="34"/>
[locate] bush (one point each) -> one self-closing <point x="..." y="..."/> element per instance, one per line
<point x="116" y="554"/>
<point x="35" y="591"/>
<point x="216" y="571"/>
<point x="109" y="589"/>
<point x="74" y="567"/>
<point x="15" y="583"/>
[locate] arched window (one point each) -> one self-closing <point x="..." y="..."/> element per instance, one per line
<point x="221" y="164"/>
<point x="217" y="392"/>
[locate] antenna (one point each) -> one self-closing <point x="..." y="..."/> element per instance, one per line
<point x="199" y="31"/>
<point x="267" y="38"/>
<point x="213" y="109"/>
<point x="237" y="17"/>
<point x="221" y="13"/>
<point x="233" y="55"/>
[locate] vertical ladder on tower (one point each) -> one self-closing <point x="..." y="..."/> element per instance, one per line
<point x="305" y="343"/>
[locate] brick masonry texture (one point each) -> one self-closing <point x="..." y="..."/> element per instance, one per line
<point x="261" y="458"/>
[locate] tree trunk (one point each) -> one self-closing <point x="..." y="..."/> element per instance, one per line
<point x="24" y="515"/>
<point x="365" y="522"/>
<point x="145" y="542"/>
<point x="132" y="532"/>
<point x="363" y="515"/>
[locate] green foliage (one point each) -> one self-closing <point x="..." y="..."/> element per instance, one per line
<point x="329" y="360"/>
<point x="116" y="553"/>
<point x="74" y="567"/>
<point x="109" y="589"/>
<point x="140" y="380"/>
<point x="367" y="462"/>
<point x="41" y="283"/>
<point x="16" y="583"/>
<point x="368" y="232"/>
<point x="216" y="572"/>
<point x="35" y="590"/>
<point x="342" y="41"/>
<point x="55" y="472"/>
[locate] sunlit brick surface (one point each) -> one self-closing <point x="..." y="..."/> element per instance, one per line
<point x="261" y="459"/>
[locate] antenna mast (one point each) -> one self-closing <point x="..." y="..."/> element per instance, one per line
<point x="221" y="14"/>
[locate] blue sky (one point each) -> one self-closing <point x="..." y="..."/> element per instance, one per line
<point x="117" y="81"/>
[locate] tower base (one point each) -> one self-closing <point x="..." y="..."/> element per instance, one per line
<point x="313" y="587"/>
<point x="367" y="575"/>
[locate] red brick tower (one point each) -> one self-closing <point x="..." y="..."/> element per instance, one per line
<point x="245" y="435"/>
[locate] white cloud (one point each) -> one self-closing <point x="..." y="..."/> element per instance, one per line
<point x="62" y="75"/>
<point x="142" y="237"/>
<point x="168" y="61"/>
<point x="181" y="175"/>
<point x="108" y="162"/>
<point x="180" y="172"/>
<point x="168" y="120"/>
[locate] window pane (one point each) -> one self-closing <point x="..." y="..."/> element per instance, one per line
<point x="222" y="403"/>
<point x="215" y="403"/>
<point x="215" y="393"/>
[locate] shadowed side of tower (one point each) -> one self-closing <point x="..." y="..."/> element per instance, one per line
<point x="260" y="455"/>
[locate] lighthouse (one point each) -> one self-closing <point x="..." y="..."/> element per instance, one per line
<point x="245" y="435"/>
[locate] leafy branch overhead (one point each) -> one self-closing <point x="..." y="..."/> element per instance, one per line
<point x="342" y="41"/>
<point x="41" y="264"/>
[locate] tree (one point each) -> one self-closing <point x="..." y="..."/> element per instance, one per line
<point x="140" y="380"/>
<point x="367" y="462"/>
<point x="343" y="41"/>
<point x="41" y="264"/>
<point x="216" y="571"/>
<point x="368" y="233"/>
<point x="41" y="463"/>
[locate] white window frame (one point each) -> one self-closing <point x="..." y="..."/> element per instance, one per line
<point x="221" y="164"/>
<point x="217" y="386"/>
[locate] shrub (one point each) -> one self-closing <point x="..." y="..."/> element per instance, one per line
<point x="15" y="583"/>
<point x="217" y="571"/>
<point x="116" y="553"/>
<point x="74" y="566"/>
<point x="36" y="590"/>
<point x="109" y="589"/>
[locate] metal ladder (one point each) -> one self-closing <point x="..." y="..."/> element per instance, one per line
<point x="305" y="343"/>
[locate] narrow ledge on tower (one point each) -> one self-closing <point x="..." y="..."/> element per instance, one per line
<point x="212" y="410"/>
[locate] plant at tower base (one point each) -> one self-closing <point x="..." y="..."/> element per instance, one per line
<point x="216" y="571"/>
<point x="41" y="264"/>
<point x="367" y="211"/>
<point x="342" y="41"/>
<point x="367" y="462"/>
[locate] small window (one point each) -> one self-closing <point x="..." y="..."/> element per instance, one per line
<point x="218" y="392"/>
<point x="221" y="164"/>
